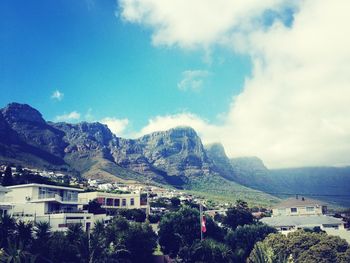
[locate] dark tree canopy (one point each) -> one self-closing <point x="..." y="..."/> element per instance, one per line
<point x="238" y="215"/>
<point x="7" y="180"/>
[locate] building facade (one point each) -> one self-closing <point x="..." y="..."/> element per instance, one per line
<point x="302" y="213"/>
<point x="57" y="205"/>
<point x="116" y="201"/>
<point x="5" y="204"/>
<point x="299" y="207"/>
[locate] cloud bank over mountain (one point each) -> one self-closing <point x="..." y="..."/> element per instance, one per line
<point x="294" y="108"/>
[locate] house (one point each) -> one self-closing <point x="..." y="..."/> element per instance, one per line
<point x="299" y="206"/>
<point x="287" y="223"/>
<point x="5" y="204"/>
<point x="57" y="205"/>
<point x="116" y="201"/>
<point x="303" y="213"/>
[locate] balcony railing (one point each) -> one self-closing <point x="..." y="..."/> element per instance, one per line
<point x="63" y="211"/>
<point x="57" y="197"/>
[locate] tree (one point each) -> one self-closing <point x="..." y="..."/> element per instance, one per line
<point x="141" y="241"/>
<point x="208" y="250"/>
<point x="130" y="241"/>
<point x="60" y="249"/>
<point x="23" y="233"/>
<point x="238" y="215"/>
<point x="7" y="180"/>
<point x="42" y="236"/>
<point x="261" y="253"/>
<point x="177" y="229"/>
<point x="16" y="253"/>
<point x="94" y="207"/>
<point x="242" y="240"/>
<point x="136" y="215"/>
<point x="175" y="201"/>
<point x="303" y="246"/>
<point x="7" y="230"/>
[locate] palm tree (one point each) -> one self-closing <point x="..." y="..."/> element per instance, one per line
<point x="15" y="253"/>
<point x="7" y="229"/>
<point x="24" y="233"/>
<point x="41" y="243"/>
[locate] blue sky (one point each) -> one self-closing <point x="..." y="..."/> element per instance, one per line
<point x="265" y="78"/>
<point x="105" y="66"/>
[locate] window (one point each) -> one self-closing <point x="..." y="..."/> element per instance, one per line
<point x="310" y="209"/>
<point x="116" y="202"/>
<point x="294" y="210"/>
<point x="123" y="202"/>
<point x="109" y="202"/>
<point x="132" y="201"/>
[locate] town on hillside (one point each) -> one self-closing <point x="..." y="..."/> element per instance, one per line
<point x="33" y="198"/>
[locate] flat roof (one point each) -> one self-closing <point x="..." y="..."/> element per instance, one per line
<point x="4" y="189"/>
<point x="106" y="194"/>
<point x="278" y="221"/>
<point x="44" y="185"/>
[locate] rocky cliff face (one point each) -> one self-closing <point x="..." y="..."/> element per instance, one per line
<point x="221" y="162"/>
<point x="175" y="155"/>
<point x="168" y="157"/>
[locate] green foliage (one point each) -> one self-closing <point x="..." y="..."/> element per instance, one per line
<point x="7" y="230"/>
<point x="180" y="230"/>
<point x="302" y="246"/>
<point x="136" y="215"/>
<point x="208" y="250"/>
<point x="94" y="207"/>
<point x="261" y="253"/>
<point x="177" y="229"/>
<point x="7" y="180"/>
<point x="120" y="241"/>
<point x="222" y="190"/>
<point x="154" y="218"/>
<point x="175" y="201"/>
<point x="238" y="215"/>
<point x="243" y="239"/>
<point x="135" y="241"/>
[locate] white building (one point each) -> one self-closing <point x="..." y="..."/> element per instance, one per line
<point x="302" y="213"/>
<point x="299" y="206"/>
<point x="5" y="204"/>
<point x="116" y="201"/>
<point x="57" y="205"/>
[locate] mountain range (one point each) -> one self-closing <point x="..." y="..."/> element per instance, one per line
<point x="175" y="157"/>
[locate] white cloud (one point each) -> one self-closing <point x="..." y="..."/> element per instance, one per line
<point x="57" y="95"/>
<point x="117" y="126"/>
<point x="72" y="116"/>
<point x="192" y="80"/>
<point x="193" y="23"/>
<point x="294" y="108"/>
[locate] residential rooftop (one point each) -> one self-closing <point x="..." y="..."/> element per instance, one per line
<point x="44" y="185"/>
<point x="299" y="202"/>
<point x="4" y="189"/>
<point x="299" y="221"/>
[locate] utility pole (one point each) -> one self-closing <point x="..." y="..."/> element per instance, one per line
<point x="200" y="219"/>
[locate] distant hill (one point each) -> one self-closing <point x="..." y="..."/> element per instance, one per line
<point x="330" y="184"/>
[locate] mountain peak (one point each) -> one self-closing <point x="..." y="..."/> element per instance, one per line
<point x="216" y="149"/>
<point x="16" y="112"/>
